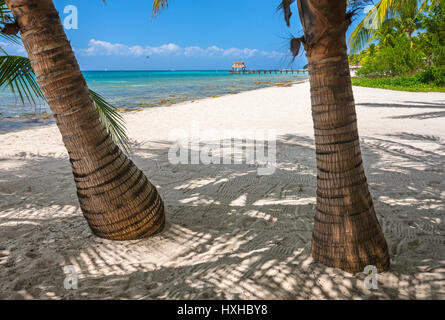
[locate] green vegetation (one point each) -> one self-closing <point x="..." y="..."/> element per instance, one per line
<point x="405" y="49"/>
<point x="409" y="83"/>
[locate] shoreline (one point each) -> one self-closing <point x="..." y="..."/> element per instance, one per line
<point x="124" y="111"/>
<point x="288" y="83"/>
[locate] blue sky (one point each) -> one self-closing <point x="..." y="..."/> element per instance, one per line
<point x="189" y="35"/>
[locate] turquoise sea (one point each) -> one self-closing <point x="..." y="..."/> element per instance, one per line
<point x="132" y="90"/>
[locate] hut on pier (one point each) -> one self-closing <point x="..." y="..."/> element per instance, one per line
<point x="239" y="65"/>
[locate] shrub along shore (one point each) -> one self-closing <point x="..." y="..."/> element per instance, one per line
<point x="405" y="52"/>
<point x="415" y="83"/>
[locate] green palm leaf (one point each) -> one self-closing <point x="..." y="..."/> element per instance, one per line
<point x="359" y="37"/>
<point x="381" y="12"/>
<point x="112" y="120"/>
<point x="158" y="5"/>
<point x="16" y="74"/>
<point x="4" y="12"/>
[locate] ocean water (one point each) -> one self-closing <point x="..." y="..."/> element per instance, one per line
<point x="134" y="90"/>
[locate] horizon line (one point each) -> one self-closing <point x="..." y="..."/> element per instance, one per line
<point x="172" y="70"/>
<point x="158" y="70"/>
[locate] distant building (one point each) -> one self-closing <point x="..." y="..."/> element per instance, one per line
<point x="353" y="69"/>
<point x="239" y="65"/>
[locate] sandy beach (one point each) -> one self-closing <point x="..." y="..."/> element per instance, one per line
<point x="230" y="233"/>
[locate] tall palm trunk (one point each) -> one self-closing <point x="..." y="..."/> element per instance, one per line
<point x="346" y="233"/>
<point x="116" y="198"/>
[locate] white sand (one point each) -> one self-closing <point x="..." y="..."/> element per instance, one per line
<point x="230" y="233"/>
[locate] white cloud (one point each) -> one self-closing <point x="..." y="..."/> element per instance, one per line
<point x="165" y="49"/>
<point x="247" y="53"/>
<point x="193" y="51"/>
<point x="104" y="48"/>
<point x="12" y="48"/>
<point x="271" y="54"/>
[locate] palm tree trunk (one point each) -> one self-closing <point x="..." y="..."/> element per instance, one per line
<point x="346" y="233"/>
<point x="116" y="198"/>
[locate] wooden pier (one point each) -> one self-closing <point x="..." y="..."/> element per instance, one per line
<point x="282" y="71"/>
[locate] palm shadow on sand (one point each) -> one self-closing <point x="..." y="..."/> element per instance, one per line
<point x="231" y="234"/>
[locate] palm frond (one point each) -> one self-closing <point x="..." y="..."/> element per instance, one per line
<point x="385" y="9"/>
<point x="382" y="11"/>
<point x="4" y="13"/>
<point x="3" y="10"/>
<point x="16" y="73"/>
<point x="428" y="5"/>
<point x="159" y="5"/>
<point x="359" y="37"/>
<point x="112" y="120"/>
<point x="285" y="7"/>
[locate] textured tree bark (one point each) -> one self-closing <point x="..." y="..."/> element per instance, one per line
<point x="346" y="233"/>
<point x="116" y="198"/>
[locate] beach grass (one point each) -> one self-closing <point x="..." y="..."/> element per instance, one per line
<point x="397" y="83"/>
